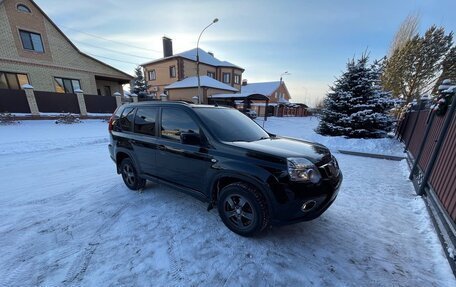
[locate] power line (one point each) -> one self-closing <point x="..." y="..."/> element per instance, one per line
<point x="118" y="42"/>
<point x="111" y="50"/>
<point x="111" y="59"/>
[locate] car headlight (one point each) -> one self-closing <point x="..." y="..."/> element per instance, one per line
<point x="301" y="169"/>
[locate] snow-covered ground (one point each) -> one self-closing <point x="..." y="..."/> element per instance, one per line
<point x="67" y="219"/>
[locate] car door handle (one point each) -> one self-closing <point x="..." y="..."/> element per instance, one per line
<point x="132" y="141"/>
<point x="161" y="147"/>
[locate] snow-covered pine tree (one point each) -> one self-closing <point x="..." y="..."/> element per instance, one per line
<point x="357" y="106"/>
<point x="139" y="86"/>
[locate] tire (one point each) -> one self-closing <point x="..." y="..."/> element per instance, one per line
<point x="243" y="209"/>
<point x="130" y="175"/>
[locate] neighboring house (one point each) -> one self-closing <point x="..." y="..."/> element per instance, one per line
<point x="161" y="73"/>
<point x="33" y="50"/>
<point x="276" y="93"/>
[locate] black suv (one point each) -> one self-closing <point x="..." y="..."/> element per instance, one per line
<point x="219" y="155"/>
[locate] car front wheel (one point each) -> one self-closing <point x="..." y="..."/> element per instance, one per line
<point x="242" y="209"/>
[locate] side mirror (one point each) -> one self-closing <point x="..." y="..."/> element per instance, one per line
<point x="190" y="138"/>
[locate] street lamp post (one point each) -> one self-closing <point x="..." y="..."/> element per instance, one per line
<point x="200" y="98"/>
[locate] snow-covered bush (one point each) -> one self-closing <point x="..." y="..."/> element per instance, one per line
<point x="67" y="119"/>
<point x="7" y="119"/>
<point x="357" y="107"/>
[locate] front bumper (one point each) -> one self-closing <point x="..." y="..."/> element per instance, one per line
<point x="291" y="197"/>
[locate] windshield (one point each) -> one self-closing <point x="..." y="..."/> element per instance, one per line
<point x="231" y="125"/>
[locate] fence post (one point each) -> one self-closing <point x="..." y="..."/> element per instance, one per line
<point x="134" y="97"/>
<point x="81" y="102"/>
<point x="440" y="141"/>
<point x="31" y="99"/>
<point x="118" y="98"/>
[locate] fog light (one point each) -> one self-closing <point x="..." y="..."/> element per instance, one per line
<point x="308" y="206"/>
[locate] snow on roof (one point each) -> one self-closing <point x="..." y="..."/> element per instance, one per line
<point x="265" y="88"/>
<point x="206" y="81"/>
<point x="204" y="57"/>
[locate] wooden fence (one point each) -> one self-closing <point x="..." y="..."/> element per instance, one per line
<point x="51" y="102"/>
<point x="436" y="154"/>
<point x="38" y="102"/>
<point x="13" y="101"/>
<point x="100" y="104"/>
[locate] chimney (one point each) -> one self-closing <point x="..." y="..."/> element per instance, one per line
<point x="211" y="53"/>
<point x="244" y="82"/>
<point x="167" y="47"/>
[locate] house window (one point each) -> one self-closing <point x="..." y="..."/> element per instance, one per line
<point x="12" y="80"/>
<point x="152" y="75"/>
<point x="172" y="71"/>
<point x="23" y="8"/>
<point x="63" y="85"/>
<point x="237" y="79"/>
<point x="211" y="74"/>
<point x="227" y="78"/>
<point x="31" y="41"/>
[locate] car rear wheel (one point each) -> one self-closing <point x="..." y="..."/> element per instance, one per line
<point x="130" y="175"/>
<point x="242" y="209"/>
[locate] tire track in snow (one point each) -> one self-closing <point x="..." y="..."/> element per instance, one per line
<point x="79" y="266"/>
<point x="175" y="261"/>
<point x="12" y="277"/>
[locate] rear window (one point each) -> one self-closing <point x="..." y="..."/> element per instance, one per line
<point x="126" y="120"/>
<point x="145" y="120"/>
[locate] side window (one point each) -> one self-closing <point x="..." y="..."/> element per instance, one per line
<point x="126" y="119"/>
<point x="174" y="122"/>
<point x="145" y="120"/>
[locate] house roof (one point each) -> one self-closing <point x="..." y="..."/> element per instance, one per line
<point x="71" y="43"/>
<point x="264" y="88"/>
<point x="253" y="96"/>
<point x="204" y="57"/>
<point x="205" y="81"/>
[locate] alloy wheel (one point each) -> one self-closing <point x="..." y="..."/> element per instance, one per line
<point x="239" y="211"/>
<point x="128" y="174"/>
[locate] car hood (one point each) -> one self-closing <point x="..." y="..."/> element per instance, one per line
<point x="287" y="147"/>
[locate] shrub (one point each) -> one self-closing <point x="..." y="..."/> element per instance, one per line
<point x="67" y="119"/>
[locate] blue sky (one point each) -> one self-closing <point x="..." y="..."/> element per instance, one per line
<point x="312" y="40"/>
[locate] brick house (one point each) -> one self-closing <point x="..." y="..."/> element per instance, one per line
<point x="33" y="50"/>
<point x="160" y="74"/>
<point x="276" y="99"/>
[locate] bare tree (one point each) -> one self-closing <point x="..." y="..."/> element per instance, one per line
<point x="407" y="30"/>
